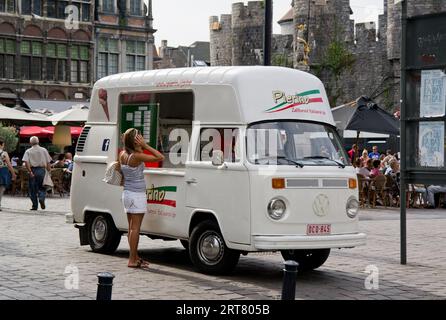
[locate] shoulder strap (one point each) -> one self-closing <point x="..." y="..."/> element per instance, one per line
<point x="128" y="159"/>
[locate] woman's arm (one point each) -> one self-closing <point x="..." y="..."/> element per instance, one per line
<point x="155" y="154"/>
<point x="11" y="169"/>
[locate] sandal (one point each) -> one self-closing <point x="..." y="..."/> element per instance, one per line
<point x="140" y="264"/>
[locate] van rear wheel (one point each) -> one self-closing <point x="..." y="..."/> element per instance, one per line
<point x="208" y="251"/>
<point x="307" y="259"/>
<point x="103" y="236"/>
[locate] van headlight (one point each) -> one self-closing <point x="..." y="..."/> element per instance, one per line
<point x="352" y="207"/>
<point x="276" y="209"/>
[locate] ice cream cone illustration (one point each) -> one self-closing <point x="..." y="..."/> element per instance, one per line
<point x="103" y="101"/>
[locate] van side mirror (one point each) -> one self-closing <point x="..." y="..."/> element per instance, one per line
<point x="217" y="158"/>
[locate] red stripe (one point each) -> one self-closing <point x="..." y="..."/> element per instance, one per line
<point x="165" y="202"/>
<point x="313" y="100"/>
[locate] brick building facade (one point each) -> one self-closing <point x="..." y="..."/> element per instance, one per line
<point x="46" y="53"/>
<point x="39" y="57"/>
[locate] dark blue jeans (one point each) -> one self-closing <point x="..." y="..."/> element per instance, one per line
<point x="36" y="189"/>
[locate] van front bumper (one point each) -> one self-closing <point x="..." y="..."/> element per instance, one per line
<point x="309" y="242"/>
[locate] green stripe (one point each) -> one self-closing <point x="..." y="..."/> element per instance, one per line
<point x="307" y="93"/>
<point x="167" y="189"/>
<point x="278" y="106"/>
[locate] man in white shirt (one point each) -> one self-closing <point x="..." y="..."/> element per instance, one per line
<point x="37" y="161"/>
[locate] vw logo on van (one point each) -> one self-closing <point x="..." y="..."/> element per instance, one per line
<point x="321" y="205"/>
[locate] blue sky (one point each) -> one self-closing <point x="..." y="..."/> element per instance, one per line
<point x="183" y="22"/>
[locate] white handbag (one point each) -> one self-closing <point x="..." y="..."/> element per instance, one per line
<point x="47" y="181"/>
<point x="113" y="174"/>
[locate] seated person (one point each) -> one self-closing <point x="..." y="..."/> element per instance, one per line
<point x="393" y="169"/>
<point x="375" y="170"/>
<point x="431" y="191"/>
<point x="60" y="162"/>
<point x="365" y="171"/>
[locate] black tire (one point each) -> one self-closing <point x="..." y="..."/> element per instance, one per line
<point x="185" y="244"/>
<point x="220" y="261"/>
<point x="307" y="259"/>
<point x="103" y="236"/>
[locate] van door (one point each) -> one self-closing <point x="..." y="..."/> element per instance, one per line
<point x="223" y="190"/>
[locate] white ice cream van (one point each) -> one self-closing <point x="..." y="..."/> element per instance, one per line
<point x="253" y="163"/>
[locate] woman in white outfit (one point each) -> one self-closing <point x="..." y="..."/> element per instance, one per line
<point x="134" y="195"/>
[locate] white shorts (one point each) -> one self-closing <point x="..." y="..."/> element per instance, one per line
<point x="134" y="202"/>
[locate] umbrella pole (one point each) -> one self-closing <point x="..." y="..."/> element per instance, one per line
<point x="357" y="147"/>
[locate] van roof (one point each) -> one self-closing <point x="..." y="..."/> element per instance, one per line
<point x="242" y="94"/>
<point x="198" y="75"/>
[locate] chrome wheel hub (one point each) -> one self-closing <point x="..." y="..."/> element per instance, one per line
<point x="210" y="247"/>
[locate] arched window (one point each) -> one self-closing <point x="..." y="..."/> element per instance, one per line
<point x="7" y="6"/>
<point x="56" y="95"/>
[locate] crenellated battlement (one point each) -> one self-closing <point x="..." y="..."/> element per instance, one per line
<point x="237" y="39"/>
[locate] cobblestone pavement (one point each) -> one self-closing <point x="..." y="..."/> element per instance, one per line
<point x="36" y="248"/>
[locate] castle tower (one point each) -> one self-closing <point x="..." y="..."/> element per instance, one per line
<point x="247" y="33"/>
<point x="318" y="23"/>
<point x="221" y="40"/>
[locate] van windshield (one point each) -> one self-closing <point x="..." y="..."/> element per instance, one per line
<point x="294" y="143"/>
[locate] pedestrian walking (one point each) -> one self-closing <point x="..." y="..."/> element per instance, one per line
<point x="37" y="160"/>
<point x="7" y="172"/>
<point x="134" y="196"/>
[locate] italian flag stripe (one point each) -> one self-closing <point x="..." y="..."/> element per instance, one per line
<point x="167" y="189"/>
<point x="170" y="203"/>
<point x="303" y="94"/>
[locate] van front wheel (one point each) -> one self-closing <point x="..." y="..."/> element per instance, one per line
<point x="103" y="236"/>
<point x="307" y="259"/>
<point x="208" y="251"/>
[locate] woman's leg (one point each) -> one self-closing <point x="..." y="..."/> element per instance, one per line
<point x="134" y="228"/>
<point x="129" y="219"/>
<point x="2" y="190"/>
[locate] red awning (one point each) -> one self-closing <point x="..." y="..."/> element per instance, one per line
<point x="45" y="132"/>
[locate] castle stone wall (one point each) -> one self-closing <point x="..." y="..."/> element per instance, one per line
<point x="317" y="24"/>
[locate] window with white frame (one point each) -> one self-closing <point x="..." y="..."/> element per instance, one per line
<point x="56" y="9"/>
<point x="80" y="56"/>
<point x="7" y="6"/>
<point x="135" y="7"/>
<point x="108" y="6"/>
<point x="83" y="7"/>
<point x="32" y="6"/>
<point x="135" y="55"/>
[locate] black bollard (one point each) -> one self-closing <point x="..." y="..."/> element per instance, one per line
<point x="289" y="280"/>
<point x="105" y="284"/>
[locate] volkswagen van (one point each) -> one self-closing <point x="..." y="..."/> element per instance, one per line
<point x="253" y="162"/>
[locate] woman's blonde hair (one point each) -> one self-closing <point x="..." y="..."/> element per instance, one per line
<point x="364" y="152"/>
<point x="128" y="138"/>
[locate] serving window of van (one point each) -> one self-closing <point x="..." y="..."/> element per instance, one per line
<point x="219" y="139"/>
<point x="163" y="118"/>
<point x="292" y="142"/>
